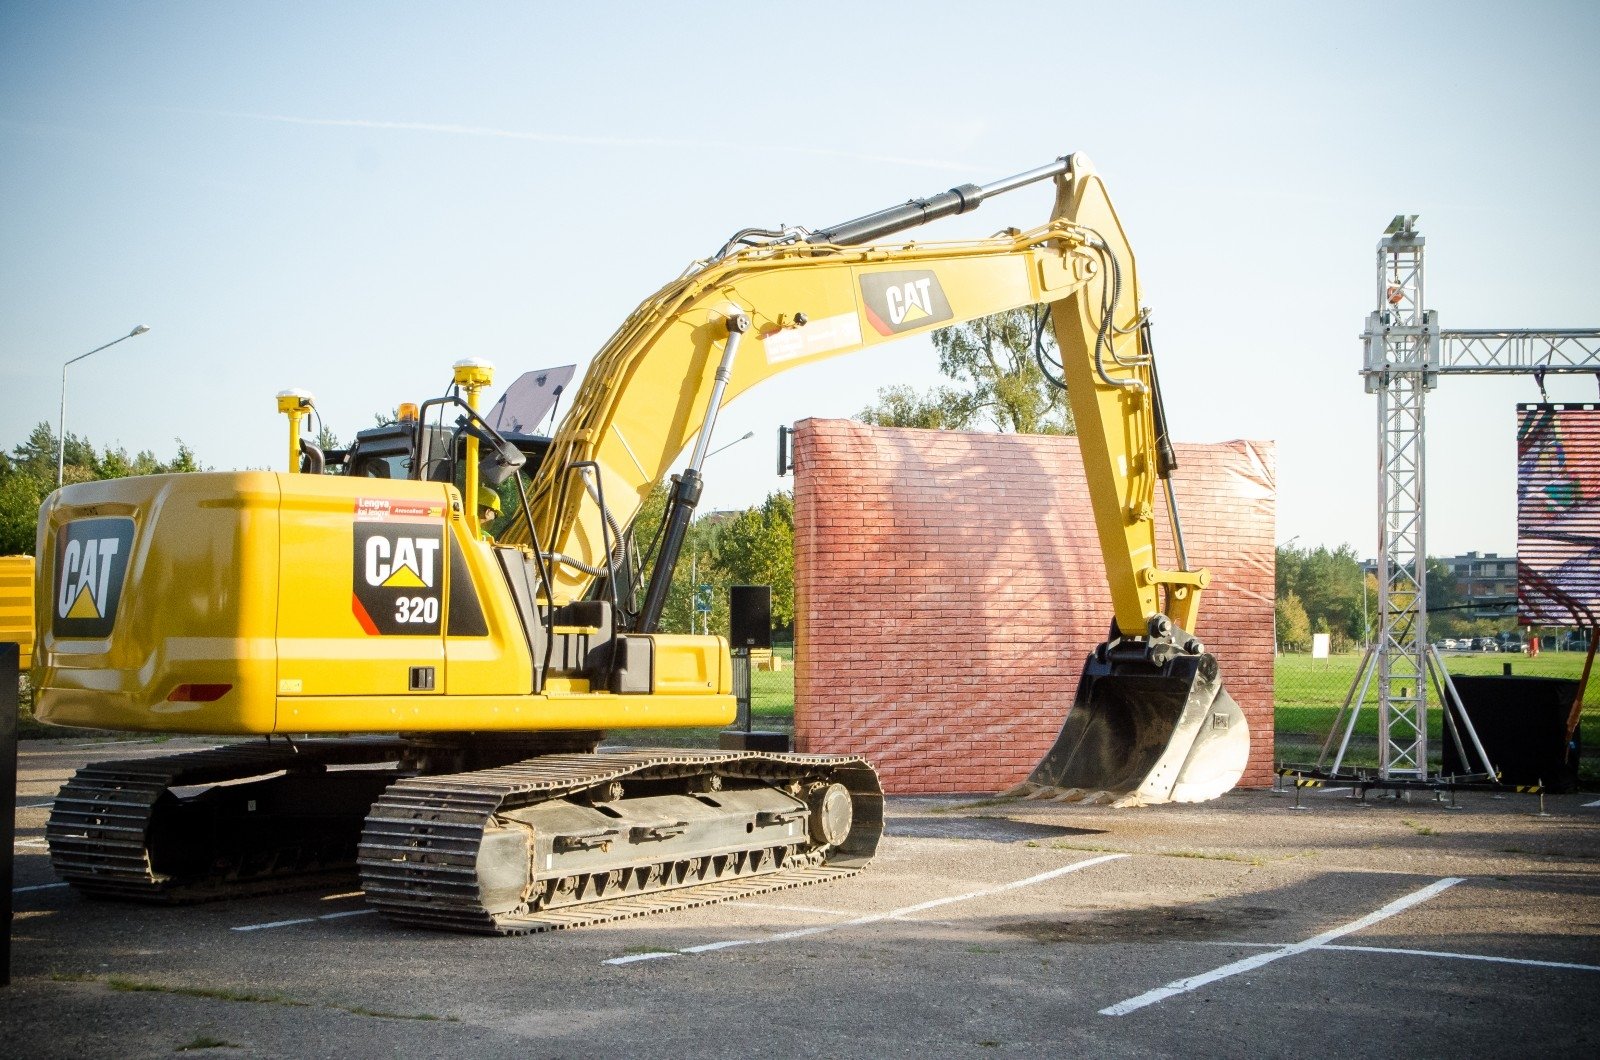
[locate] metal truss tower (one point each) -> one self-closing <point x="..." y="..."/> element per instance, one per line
<point x="1402" y="340"/>
<point x="1406" y="352"/>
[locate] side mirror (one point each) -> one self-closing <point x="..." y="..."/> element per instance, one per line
<point x="499" y="463"/>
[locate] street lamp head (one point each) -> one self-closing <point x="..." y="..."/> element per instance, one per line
<point x="61" y="427"/>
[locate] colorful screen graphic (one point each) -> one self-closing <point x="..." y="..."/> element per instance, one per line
<point x="1558" y="514"/>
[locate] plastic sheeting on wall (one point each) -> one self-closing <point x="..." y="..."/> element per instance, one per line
<point x="949" y="586"/>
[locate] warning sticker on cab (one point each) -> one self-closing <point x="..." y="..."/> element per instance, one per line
<point x="382" y="510"/>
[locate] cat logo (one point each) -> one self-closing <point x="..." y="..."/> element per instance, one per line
<point x="401" y="562"/>
<point x="396" y="580"/>
<point x="91" y="562"/>
<point x="904" y="300"/>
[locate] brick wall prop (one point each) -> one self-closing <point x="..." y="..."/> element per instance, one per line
<point x="949" y="586"/>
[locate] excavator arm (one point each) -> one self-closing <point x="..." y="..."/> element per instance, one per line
<point x="1151" y="721"/>
<point x="742" y="318"/>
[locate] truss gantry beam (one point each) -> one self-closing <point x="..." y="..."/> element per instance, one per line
<point x="1485" y="352"/>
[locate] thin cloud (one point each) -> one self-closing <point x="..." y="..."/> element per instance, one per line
<point x="586" y="141"/>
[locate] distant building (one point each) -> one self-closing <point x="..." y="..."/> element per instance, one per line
<point x="1488" y="581"/>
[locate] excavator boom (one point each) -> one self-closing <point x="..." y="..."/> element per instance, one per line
<point x="1152" y="721"/>
<point x="663" y="377"/>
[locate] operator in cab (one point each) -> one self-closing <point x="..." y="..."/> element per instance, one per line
<point x="488" y="511"/>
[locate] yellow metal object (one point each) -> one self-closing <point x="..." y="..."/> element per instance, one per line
<point x="16" y="604"/>
<point x="646" y="394"/>
<point x="267" y="586"/>
<point x="1110" y="388"/>
<point x="329" y="603"/>
<point x="297" y="405"/>
<point x="200" y="609"/>
<point x="472" y="376"/>
<point x="619" y="419"/>
<point x="260" y="603"/>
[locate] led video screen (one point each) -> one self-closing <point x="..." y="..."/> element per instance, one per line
<point x="1558" y="514"/>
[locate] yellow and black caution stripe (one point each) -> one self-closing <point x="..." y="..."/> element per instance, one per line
<point x="1301" y="781"/>
<point x="1522" y="789"/>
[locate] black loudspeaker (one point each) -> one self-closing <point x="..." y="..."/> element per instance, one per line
<point x="1522" y="722"/>
<point x="750" y="616"/>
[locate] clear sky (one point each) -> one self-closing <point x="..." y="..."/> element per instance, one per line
<point x="349" y="197"/>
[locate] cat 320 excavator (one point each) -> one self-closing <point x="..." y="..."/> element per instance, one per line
<point x="470" y="680"/>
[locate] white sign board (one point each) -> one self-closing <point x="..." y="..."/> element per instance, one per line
<point x="1319" y="645"/>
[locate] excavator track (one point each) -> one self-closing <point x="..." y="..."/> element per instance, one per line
<point x="239" y="820"/>
<point x="463" y="852"/>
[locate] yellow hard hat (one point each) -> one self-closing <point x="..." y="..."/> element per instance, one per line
<point x="488" y="498"/>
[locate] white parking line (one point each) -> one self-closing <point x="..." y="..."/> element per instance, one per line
<point x="303" y="920"/>
<point x="1415" y="953"/>
<point x="1195" y="982"/>
<point x="1470" y="957"/>
<point x="39" y="887"/>
<point x="874" y="918"/>
<point x="798" y="908"/>
<point x="1590" y="805"/>
<point x="30" y="842"/>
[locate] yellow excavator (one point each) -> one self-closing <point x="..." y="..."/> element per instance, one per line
<point x="470" y="680"/>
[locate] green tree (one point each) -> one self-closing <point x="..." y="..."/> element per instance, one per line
<point x="756" y="547"/>
<point x="29" y="475"/>
<point x="19" y="513"/>
<point x="1328" y="584"/>
<point x="696" y="564"/>
<point x="723" y="549"/>
<point x="1294" y="628"/>
<point x="1446" y="617"/>
<point x="996" y="359"/>
<point x="940" y="409"/>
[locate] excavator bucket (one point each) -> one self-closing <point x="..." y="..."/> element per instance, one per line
<point x="1144" y="731"/>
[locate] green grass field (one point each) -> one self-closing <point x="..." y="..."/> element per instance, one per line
<point x="1309" y="692"/>
<point x="772" y="694"/>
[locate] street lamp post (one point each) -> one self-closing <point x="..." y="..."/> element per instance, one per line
<point x="61" y="426"/>
<point x="745" y="437"/>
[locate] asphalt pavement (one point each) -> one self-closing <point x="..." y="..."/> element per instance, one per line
<point x="1241" y="927"/>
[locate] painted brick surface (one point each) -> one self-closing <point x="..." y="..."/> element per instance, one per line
<point x="949" y="586"/>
